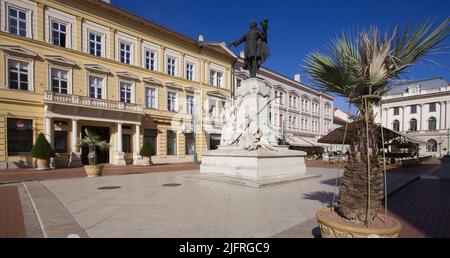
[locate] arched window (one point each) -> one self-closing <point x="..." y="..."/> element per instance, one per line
<point x="432" y="147"/>
<point x="396" y="125"/>
<point x="432" y="124"/>
<point x="413" y="125"/>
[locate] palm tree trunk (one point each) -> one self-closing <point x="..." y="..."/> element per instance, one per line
<point x="92" y="156"/>
<point x="353" y="196"/>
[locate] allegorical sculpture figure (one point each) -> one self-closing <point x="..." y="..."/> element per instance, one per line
<point x="256" y="47"/>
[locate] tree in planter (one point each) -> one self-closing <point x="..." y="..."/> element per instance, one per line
<point x="147" y="149"/>
<point x="360" y="68"/>
<point x="42" y="149"/>
<point x="93" y="141"/>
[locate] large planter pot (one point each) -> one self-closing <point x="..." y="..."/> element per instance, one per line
<point x="333" y="226"/>
<point x="42" y="164"/>
<point x="146" y="161"/>
<point x="93" y="170"/>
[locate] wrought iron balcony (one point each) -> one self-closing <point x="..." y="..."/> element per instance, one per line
<point x="75" y="100"/>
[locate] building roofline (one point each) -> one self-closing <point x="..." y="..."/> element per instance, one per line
<point x="146" y="22"/>
<point x="411" y="82"/>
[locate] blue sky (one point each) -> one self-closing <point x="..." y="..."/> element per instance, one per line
<point x="295" y="27"/>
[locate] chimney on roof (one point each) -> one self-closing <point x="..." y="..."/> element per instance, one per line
<point x="242" y="54"/>
<point x="297" y="77"/>
<point x="200" y="38"/>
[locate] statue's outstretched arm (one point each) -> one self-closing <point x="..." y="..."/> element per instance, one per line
<point x="239" y="41"/>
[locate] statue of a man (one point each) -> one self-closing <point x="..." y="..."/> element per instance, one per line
<point x="256" y="47"/>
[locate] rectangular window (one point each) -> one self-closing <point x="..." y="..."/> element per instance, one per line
<point x="125" y="92"/>
<point x="432" y="107"/>
<point x="125" y="53"/>
<point x="189" y="143"/>
<point x="59" y="34"/>
<point x="150" y="60"/>
<point x="59" y="80"/>
<point x="190" y="104"/>
<point x="413" y="109"/>
<point x="151" y="135"/>
<point x="171" y="65"/>
<point x="396" y="111"/>
<point x="150" y="97"/>
<point x="126" y="143"/>
<point x="290" y="101"/>
<point x="95" y="44"/>
<point x="216" y="78"/>
<point x="281" y="98"/>
<point x="95" y="87"/>
<point x="171" y="101"/>
<point x="60" y="142"/>
<point x="18" y="75"/>
<point x="171" y="143"/>
<point x="17" y="22"/>
<point x="189" y="72"/>
<point x="20" y="136"/>
<point x="277" y="97"/>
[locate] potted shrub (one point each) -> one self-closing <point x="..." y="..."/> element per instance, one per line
<point x="42" y="152"/>
<point x="93" y="142"/>
<point x="360" y="68"/>
<point x="147" y="152"/>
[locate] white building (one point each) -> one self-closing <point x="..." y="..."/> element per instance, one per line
<point x="307" y="113"/>
<point x="421" y="109"/>
<point x="340" y="119"/>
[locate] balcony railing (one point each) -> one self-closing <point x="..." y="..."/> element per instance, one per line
<point x="67" y="99"/>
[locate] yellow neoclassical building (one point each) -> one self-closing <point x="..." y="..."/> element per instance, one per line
<point x="71" y="65"/>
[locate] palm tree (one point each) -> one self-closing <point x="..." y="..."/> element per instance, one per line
<point x="360" y="68"/>
<point x="93" y="141"/>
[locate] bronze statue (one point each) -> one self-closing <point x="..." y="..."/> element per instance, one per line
<point x="256" y="47"/>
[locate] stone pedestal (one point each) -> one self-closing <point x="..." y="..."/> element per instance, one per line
<point x="249" y="154"/>
<point x="259" y="166"/>
<point x="445" y="167"/>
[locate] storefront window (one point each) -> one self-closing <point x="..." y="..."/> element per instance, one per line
<point x="189" y="143"/>
<point x="20" y="136"/>
<point x="171" y="143"/>
<point x="150" y="135"/>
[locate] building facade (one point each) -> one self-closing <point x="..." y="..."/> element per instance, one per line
<point x="71" y="66"/>
<point x="305" y="113"/>
<point x="420" y="109"/>
<point x="340" y="119"/>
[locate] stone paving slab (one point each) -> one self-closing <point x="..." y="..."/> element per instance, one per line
<point x="252" y="183"/>
<point x="53" y="217"/>
<point x="142" y="207"/>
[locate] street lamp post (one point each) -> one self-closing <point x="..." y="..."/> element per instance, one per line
<point x="195" y="136"/>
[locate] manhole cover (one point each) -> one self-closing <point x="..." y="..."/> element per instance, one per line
<point x="171" y="184"/>
<point x="109" y="187"/>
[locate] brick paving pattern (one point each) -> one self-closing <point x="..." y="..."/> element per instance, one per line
<point x="11" y="218"/>
<point x="30" y="174"/>
<point x="423" y="208"/>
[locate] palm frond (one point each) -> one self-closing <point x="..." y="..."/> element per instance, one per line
<point x="365" y="63"/>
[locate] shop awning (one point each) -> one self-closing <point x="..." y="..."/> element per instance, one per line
<point x="298" y="141"/>
<point x="337" y="135"/>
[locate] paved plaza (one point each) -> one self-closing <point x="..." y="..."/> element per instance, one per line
<point x="141" y="204"/>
